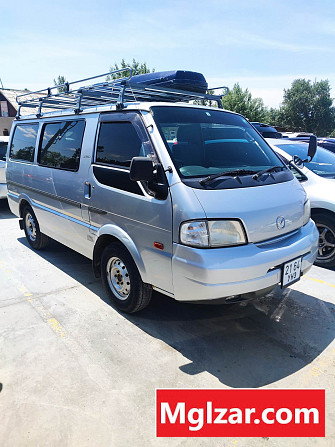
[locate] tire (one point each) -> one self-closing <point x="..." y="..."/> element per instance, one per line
<point x="36" y="239"/>
<point x="326" y="227"/>
<point x="122" y="281"/>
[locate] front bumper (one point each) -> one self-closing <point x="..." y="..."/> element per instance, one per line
<point x="209" y="274"/>
<point x="3" y="191"/>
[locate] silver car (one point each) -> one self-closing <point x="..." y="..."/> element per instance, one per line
<point x="318" y="179"/>
<point x="3" y="150"/>
<point x="186" y="200"/>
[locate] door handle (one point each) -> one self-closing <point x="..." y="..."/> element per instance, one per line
<point x="87" y="190"/>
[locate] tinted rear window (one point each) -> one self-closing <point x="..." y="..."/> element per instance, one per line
<point x="23" y="143"/>
<point x="271" y="134"/>
<point x="61" y="144"/>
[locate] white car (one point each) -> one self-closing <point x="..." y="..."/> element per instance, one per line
<point x="3" y="150"/>
<point x="318" y="179"/>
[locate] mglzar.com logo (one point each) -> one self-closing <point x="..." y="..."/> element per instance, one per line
<point x="224" y="413"/>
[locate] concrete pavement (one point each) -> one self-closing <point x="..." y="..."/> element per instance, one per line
<point x="75" y="372"/>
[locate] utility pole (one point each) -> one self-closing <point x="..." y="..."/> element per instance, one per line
<point x="1" y="83"/>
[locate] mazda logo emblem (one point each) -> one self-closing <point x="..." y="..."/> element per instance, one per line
<point x="280" y="222"/>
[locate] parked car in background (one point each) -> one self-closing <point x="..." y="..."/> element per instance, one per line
<point x="327" y="143"/>
<point x="318" y="179"/>
<point x="266" y="130"/>
<point x="297" y="136"/>
<point x="3" y="150"/>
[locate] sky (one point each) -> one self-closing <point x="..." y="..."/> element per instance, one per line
<point x="262" y="44"/>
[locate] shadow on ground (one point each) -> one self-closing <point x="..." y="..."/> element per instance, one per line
<point x="5" y="212"/>
<point x="243" y="345"/>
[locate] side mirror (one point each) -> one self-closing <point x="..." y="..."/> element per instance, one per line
<point x="141" y="169"/>
<point x="312" y="147"/>
<point x="297" y="161"/>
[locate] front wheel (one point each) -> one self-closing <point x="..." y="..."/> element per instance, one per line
<point x="326" y="226"/>
<point x="36" y="239"/>
<point x="122" y="281"/>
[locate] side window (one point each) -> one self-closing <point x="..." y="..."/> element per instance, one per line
<point x="60" y="145"/>
<point x="23" y="142"/>
<point x="118" y="143"/>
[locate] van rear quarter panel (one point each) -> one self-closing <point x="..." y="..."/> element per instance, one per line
<point x="56" y="195"/>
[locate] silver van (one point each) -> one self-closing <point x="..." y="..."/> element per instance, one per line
<point x="161" y="194"/>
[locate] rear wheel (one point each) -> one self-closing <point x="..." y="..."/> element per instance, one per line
<point x="36" y="239"/>
<point x="122" y="281"/>
<point x="326" y="226"/>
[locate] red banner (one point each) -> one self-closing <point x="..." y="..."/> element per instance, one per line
<point x="250" y="413"/>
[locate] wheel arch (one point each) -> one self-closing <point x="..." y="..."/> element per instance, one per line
<point x="323" y="216"/>
<point x="24" y="200"/>
<point x="110" y="234"/>
<point x="315" y="211"/>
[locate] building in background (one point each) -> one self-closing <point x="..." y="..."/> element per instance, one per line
<point x="8" y="109"/>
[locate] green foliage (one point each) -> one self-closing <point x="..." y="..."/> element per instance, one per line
<point x="137" y="67"/>
<point x="274" y="117"/>
<point x="241" y="101"/>
<point x="60" y="80"/>
<point x="58" y="160"/>
<point x="308" y="107"/>
<point x="26" y="153"/>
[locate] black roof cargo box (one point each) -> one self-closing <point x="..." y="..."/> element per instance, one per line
<point x="175" y="79"/>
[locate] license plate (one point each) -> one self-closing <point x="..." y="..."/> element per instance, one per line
<point x="291" y="272"/>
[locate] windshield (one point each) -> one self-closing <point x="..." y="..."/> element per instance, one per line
<point x="205" y="142"/>
<point x="3" y="150"/>
<point x="323" y="162"/>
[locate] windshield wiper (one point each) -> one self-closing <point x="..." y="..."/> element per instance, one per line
<point x="265" y="171"/>
<point x="233" y="173"/>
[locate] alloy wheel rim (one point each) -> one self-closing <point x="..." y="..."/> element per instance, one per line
<point x="118" y="278"/>
<point x="326" y="242"/>
<point x="31" y="227"/>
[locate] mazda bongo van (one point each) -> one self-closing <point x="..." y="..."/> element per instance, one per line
<point x="161" y="194"/>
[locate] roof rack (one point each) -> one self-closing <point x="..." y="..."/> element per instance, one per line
<point x="117" y="91"/>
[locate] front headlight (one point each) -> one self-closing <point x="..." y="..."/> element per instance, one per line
<point x="194" y="234"/>
<point x="212" y="233"/>
<point x="307" y="212"/>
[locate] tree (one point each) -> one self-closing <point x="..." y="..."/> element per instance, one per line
<point x="308" y="107"/>
<point x="241" y="101"/>
<point x="137" y="67"/>
<point x="274" y="116"/>
<point x="59" y="81"/>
